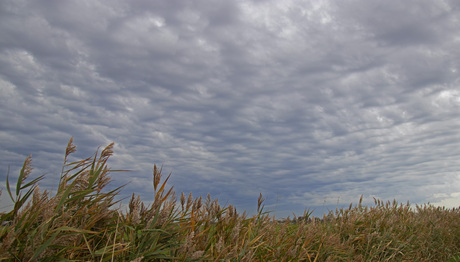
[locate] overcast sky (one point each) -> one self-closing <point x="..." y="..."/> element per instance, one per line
<point x="311" y="103"/>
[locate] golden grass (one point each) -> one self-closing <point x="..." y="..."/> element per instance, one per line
<point x="79" y="222"/>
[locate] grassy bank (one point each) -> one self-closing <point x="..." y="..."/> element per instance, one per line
<point x="80" y="222"/>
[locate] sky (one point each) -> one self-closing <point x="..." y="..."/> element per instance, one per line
<point x="311" y="103"/>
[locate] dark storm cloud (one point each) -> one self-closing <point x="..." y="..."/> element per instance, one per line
<point x="312" y="104"/>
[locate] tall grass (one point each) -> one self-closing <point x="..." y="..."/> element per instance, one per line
<point x="80" y="222"/>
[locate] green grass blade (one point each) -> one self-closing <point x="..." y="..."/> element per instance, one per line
<point x="36" y="180"/>
<point x="44" y="245"/>
<point x="21" y="175"/>
<point x="63" y="198"/>
<point x="8" y="187"/>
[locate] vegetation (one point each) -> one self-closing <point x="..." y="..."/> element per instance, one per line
<point x="79" y="222"/>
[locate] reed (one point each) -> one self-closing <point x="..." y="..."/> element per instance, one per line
<point x="80" y="222"/>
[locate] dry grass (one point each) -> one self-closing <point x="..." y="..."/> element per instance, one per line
<point x="80" y="223"/>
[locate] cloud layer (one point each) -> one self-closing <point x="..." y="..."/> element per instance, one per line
<point x="312" y="104"/>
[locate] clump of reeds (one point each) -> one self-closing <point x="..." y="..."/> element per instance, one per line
<point x="75" y="222"/>
<point x="80" y="222"/>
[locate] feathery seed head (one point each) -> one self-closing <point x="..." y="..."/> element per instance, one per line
<point x="27" y="167"/>
<point x="70" y="148"/>
<point x="197" y="204"/>
<point x="108" y="151"/>
<point x="189" y="200"/>
<point x="182" y="200"/>
<point x="260" y="200"/>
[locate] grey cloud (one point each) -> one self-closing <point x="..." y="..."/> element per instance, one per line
<point x="312" y="104"/>
<point x="403" y="24"/>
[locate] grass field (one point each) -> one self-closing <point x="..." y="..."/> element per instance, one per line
<point x="80" y="222"/>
